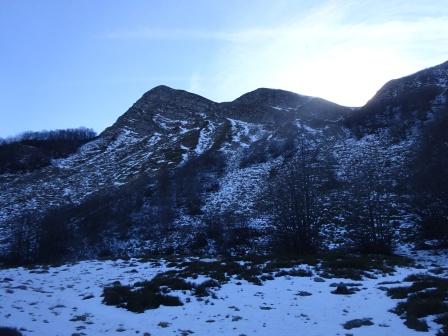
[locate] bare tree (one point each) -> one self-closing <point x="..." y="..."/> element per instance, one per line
<point x="369" y="200"/>
<point x="23" y="240"/>
<point x="428" y="181"/>
<point x="296" y="199"/>
<point x="166" y="198"/>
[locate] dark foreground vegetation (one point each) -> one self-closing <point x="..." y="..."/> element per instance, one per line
<point x="4" y="331"/>
<point x="426" y="296"/>
<point x="157" y="292"/>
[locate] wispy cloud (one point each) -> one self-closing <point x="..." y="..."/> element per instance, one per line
<point x="431" y="27"/>
<point x="329" y="56"/>
<point x="178" y="34"/>
<point x="335" y="50"/>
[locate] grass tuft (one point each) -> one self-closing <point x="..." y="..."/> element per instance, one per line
<point x="426" y="296"/>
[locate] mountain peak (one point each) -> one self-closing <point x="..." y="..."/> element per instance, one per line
<point x="165" y="94"/>
<point x="424" y="80"/>
<point x="160" y="89"/>
<point x="272" y="97"/>
<point x="404" y="101"/>
<point x="160" y="100"/>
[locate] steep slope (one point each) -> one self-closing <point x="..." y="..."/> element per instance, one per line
<point x="177" y="168"/>
<point x="184" y="134"/>
<point x="404" y="103"/>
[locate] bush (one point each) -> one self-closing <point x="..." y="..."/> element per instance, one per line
<point x="443" y="320"/>
<point x="34" y="150"/>
<point x="168" y="280"/>
<point x="355" y="267"/>
<point x="116" y="295"/>
<point x="398" y="292"/>
<point x="203" y="289"/>
<point x="295" y="272"/>
<point x="145" y="298"/>
<point x="142" y="296"/>
<point x="5" y="331"/>
<point x="426" y="296"/>
<point x="357" y="323"/>
<point x="416" y="324"/>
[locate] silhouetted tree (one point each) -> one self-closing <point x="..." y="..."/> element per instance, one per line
<point x="34" y="150"/>
<point x="23" y="239"/>
<point x="297" y="197"/>
<point x="369" y="200"/>
<point x="429" y="180"/>
<point x="165" y="198"/>
<point x="189" y="187"/>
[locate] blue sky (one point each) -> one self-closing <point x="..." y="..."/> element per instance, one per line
<point x="67" y="63"/>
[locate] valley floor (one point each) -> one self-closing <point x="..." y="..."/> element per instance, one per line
<point x="67" y="300"/>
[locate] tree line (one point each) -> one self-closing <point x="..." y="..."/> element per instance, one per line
<point x="80" y="134"/>
<point x="33" y="150"/>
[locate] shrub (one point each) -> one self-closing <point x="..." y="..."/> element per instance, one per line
<point x="295" y="272"/>
<point x="416" y="324"/>
<point x="142" y="296"/>
<point x="116" y="295"/>
<point x="5" y="331"/>
<point x="170" y="281"/>
<point x="203" y="288"/>
<point x="145" y="298"/>
<point x="426" y="296"/>
<point x="398" y="292"/>
<point x="357" y="323"/>
<point x="355" y="267"/>
<point x="443" y="320"/>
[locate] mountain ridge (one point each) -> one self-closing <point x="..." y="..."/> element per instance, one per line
<point x="176" y="162"/>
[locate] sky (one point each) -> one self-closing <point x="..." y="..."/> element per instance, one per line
<point x="71" y="63"/>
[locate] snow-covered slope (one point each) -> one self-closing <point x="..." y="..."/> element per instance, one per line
<point x="169" y="128"/>
<point x="181" y="159"/>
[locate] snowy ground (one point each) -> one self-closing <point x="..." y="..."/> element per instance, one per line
<point x="67" y="300"/>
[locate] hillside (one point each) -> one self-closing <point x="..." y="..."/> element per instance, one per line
<point x="178" y="173"/>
